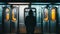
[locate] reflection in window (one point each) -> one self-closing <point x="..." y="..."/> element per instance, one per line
<point x="7" y="14"/>
<point x="53" y="14"/>
<point x="46" y="14"/>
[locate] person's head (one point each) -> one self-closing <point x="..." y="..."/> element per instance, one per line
<point x="30" y="13"/>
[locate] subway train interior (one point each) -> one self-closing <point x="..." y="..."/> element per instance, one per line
<point x="12" y="17"/>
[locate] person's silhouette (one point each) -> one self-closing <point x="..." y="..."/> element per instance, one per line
<point x="30" y="23"/>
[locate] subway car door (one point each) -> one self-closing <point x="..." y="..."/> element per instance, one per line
<point x="53" y="20"/>
<point x="1" y="8"/>
<point x="38" y="28"/>
<point x="14" y="19"/>
<point x="45" y="20"/>
<point x="6" y="19"/>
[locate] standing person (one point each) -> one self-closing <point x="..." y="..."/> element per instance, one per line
<point x="30" y="23"/>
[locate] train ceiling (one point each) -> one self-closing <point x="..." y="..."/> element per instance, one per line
<point x="30" y="0"/>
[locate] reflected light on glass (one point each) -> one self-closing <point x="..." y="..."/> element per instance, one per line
<point x="13" y="16"/>
<point x="7" y="14"/>
<point x="46" y="14"/>
<point x="53" y="16"/>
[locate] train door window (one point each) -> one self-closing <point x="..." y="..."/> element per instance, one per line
<point x="14" y="15"/>
<point x="7" y="14"/>
<point x="46" y="14"/>
<point x="26" y="12"/>
<point x="53" y="14"/>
